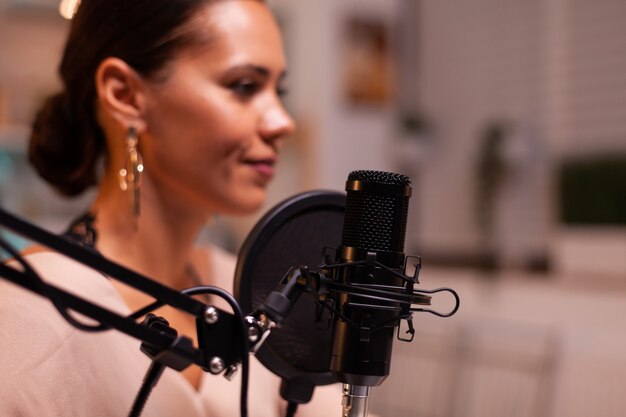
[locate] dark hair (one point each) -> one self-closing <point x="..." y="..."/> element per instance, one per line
<point x="66" y="140"/>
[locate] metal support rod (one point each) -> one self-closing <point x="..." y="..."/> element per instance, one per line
<point x="354" y="400"/>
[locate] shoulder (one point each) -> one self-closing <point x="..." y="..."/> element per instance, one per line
<point x="70" y="275"/>
<point x="25" y="314"/>
<point x="59" y="272"/>
<point x="40" y="349"/>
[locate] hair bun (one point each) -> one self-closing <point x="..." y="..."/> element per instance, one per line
<point x="61" y="154"/>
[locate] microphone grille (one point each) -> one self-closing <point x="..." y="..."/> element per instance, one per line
<point x="376" y="215"/>
<point x="379" y="177"/>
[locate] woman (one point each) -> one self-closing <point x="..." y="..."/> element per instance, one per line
<point x="173" y="109"/>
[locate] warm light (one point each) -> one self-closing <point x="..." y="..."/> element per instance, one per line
<point x="67" y="8"/>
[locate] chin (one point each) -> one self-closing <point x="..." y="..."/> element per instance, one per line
<point x="246" y="206"/>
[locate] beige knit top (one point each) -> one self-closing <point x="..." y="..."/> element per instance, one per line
<point x="48" y="368"/>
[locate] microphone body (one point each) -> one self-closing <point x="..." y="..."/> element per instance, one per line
<point x="374" y="231"/>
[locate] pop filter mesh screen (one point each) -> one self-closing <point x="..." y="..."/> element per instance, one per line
<point x="294" y="237"/>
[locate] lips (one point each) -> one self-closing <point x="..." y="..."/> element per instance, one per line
<point x="263" y="167"/>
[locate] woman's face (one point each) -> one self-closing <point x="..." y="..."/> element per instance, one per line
<point x="215" y="125"/>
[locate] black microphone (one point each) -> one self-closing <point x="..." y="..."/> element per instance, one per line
<point x="372" y="249"/>
<point x="361" y="281"/>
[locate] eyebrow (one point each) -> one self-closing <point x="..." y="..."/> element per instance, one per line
<point x="263" y="71"/>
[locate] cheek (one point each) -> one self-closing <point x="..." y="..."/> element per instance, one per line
<point x="203" y="164"/>
<point x="196" y="132"/>
<point x="200" y="162"/>
<point x="195" y="146"/>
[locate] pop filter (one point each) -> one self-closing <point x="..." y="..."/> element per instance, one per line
<point x="292" y="234"/>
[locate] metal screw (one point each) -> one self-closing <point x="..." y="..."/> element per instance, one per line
<point x="253" y="334"/>
<point x="231" y="372"/>
<point x="216" y="365"/>
<point x="211" y="315"/>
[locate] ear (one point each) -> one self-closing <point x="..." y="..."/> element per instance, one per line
<point x="121" y="93"/>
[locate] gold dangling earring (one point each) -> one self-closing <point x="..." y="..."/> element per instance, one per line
<point x="130" y="175"/>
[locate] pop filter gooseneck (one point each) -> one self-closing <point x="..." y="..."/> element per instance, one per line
<point x="293" y="233"/>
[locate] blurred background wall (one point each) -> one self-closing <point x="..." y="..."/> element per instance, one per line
<point x="510" y="117"/>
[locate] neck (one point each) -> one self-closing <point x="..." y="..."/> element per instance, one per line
<point x="159" y="242"/>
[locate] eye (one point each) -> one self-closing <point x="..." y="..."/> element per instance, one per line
<point x="245" y="87"/>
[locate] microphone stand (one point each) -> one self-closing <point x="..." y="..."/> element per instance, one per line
<point x="217" y="330"/>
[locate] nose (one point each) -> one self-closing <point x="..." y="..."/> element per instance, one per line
<point x="276" y="123"/>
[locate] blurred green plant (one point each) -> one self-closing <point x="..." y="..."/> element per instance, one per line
<point x="491" y="173"/>
<point x="592" y="190"/>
